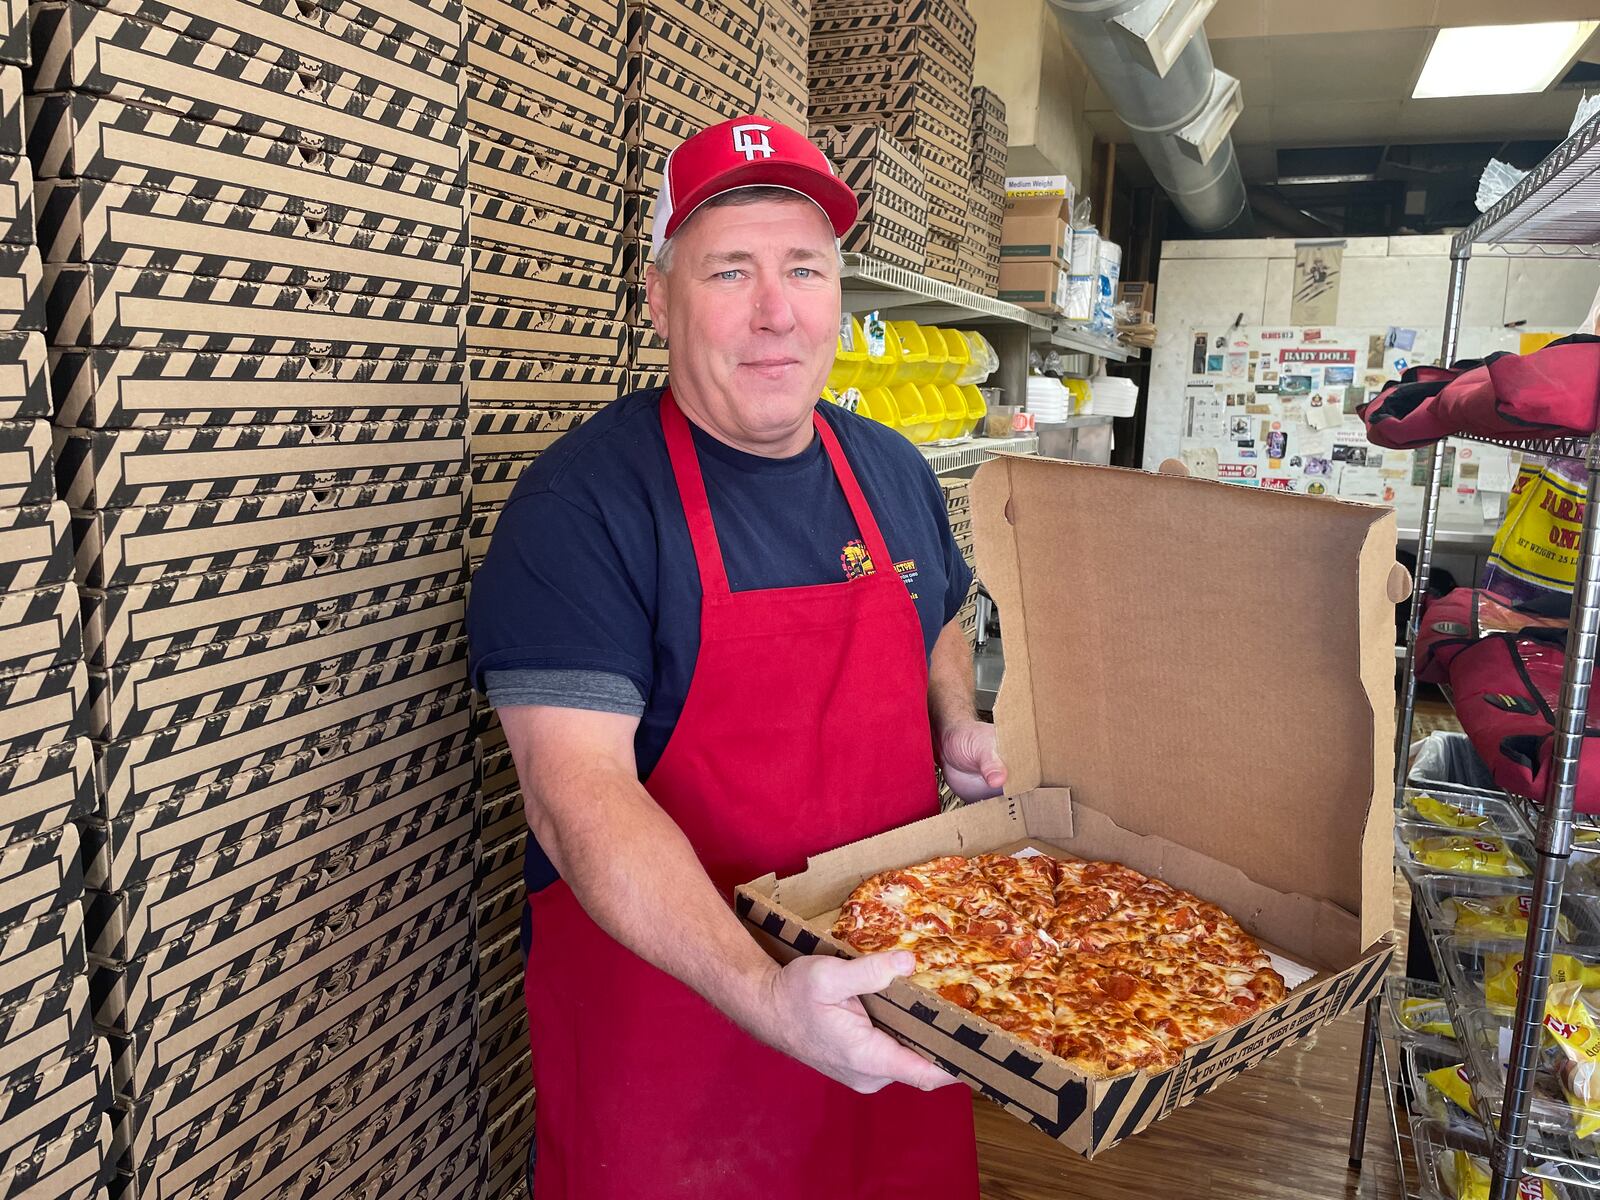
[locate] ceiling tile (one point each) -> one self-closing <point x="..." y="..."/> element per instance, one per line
<point x="1247" y="60"/>
<point x="1487" y="118"/>
<point x="1349" y="124"/>
<point x="1334" y="67"/>
<point x="1237" y="18"/>
<point x="1497" y="12"/>
<point x="1346" y="16"/>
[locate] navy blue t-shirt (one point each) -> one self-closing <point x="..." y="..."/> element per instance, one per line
<point x="591" y="567"/>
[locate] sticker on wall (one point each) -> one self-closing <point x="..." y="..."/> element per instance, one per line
<point x="1277" y="483"/>
<point x="1317" y="275"/>
<point x="1236" y="470"/>
<point x="1375" y="353"/>
<point x="1197" y="363"/>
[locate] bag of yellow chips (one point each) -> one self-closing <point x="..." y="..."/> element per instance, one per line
<point x="1503" y="972"/>
<point x="1466" y="1177"/>
<point x="1569" y="1023"/>
<point x="1427" y="1016"/>
<point x="1452" y="1084"/>
<point x="1463" y="854"/>
<point x="1498" y="916"/>
<point x="1437" y="812"/>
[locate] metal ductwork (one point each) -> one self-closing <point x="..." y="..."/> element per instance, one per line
<point x="1153" y="62"/>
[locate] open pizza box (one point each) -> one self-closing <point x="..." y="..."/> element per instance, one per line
<point x="1199" y="684"/>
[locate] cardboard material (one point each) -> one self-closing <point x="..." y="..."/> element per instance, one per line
<point x="12" y="138"/>
<point x="1304" y="864"/>
<point x="524" y="228"/>
<point x="38" y="629"/>
<point x="108" y="389"/>
<point x="38" y="1033"/>
<point x="501" y="54"/>
<point x="151" y="620"/>
<point x="41" y="707"/>
<point x="36" y="955"/>
<point x="432" y="1153"/>
<point x="100" y="304"/>
<point x="1037" y="229"/>
<point x="24" y="389"/>
<point x="118" y="547"/>
<point x="504" y="327"/>
<point x="35" y="547"/>
<point x="46" y="1107"/>
<point x="658" y="83"/>
<point x="71" y="1167"/>
<point x="890" y="188"/>
<point x="39" y="874"/>
<point x="544" y="180"/>
<point x="94" y="221"/>
<point x="121" y="468"/>
<point x="156" y="766"/>
<point x="14" y="32"/>
<point x="731" y="25"/>
<point x="25" y="463"/>
<point x="501" y="277"/>
<point x="139" y="696"/>
<point x="950" y="18"/>
<point x="499" y="115"/>
<point x="571" y="31"/>
<point x="81" y="49"/>
<point x="659" y="38"/>
<point x="1039" y="286"/>
<point x="21" y="288"/>
<point x="46" y="789"/>
<point x="309" y="175"/>
<point x="16" y="199"/>
<point x="517" y="381"/>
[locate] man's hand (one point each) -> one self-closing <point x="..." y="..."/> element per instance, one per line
<point x="816" y="1018"/>
<point x="970" y="756"/>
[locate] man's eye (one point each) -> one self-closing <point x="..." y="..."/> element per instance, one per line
<point x="729" y="275"/>
<point x="803" y="272"/>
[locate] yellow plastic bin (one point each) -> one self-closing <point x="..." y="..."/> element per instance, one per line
<point x="977" y="406"/>
<point x="917" y="421"/>
<point x="958" y="356"/>
<point x="913" y="366"/>
<point x="881" y="368"/>
<point x="878" y="403"/>
<point x="955" y="412"/>
<point x="850" y="359"/>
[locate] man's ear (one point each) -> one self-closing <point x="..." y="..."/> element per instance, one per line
<point x="655" y="294"/>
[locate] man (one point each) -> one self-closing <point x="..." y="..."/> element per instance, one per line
<point x="696" y="691"/>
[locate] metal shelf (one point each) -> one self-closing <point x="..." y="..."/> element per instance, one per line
<point x="1556" y="203"/>
<point x="972" y="453"/>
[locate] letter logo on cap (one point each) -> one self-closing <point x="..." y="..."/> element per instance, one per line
<point x="751" y="140"/>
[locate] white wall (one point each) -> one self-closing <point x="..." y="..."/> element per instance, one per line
<point x="1387" y="281"/>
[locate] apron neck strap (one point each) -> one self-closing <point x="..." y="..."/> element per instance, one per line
<point x="697" y="506"/>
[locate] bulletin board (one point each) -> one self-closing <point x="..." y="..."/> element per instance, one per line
<point x="1275" y="407"/>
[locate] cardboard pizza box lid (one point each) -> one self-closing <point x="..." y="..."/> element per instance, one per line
<point x="36" y="955"/>
<point x="24" y="386"/>
<point x="38" y="629"/>
<point x="50" y="787"/>
<point x="71" y="1167"/>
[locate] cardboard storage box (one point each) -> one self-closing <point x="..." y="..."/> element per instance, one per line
<point x="672" y="64"/>
<point x="518" y="382"/>
<point x="545" y="181"/>
<point x="75" y="48"/>
<point x="541" y="231"/>
<point x="38" y="629"/>
<point x="542" y="331"/>
<point x="169" y="615"/>
<point x="154" y="767"/>
<point x="21" y="288"/>
<point x="568" y="30"/>
<point x="94" y="221"/>
<point x="502" y="116"/>
<point x="834" y="41"/>
<point x="154" y="839"/>
<point x="503" y="277"/>
<point x="72" y="1167"/>
<point x="734" y="26"/>
<point x="16" y="199"/>
<point x="1299" y="850"/>
<point x="49" y="1106"/>
<point x="1037" y="229"/>
<point x="662" y="84"/>
<point x="39" y="874"/>
<point x="108" y="389"/>
<point x="35" y="547"/>
<point x="99" y="304"/>
<point x="41" y="707"/>
<point x="118" y="547"/>
<point x="222" y="1034"/>
<point x="12" y="137"/>
<point x="950" y="17"/>
<point x="25" y="463"/>
<point x="501" y="54"/>
<point x="24" y="386"/>
<point x="36" y="955"/>
<point x="131" y="467"/>
<point x="47" y="788"/>
<point x="137" y="696"/>
<point x="14" y="32"/>
<point x="1039" y="286"/>
<point x="647" y="379"/>
<point x="89" y="137"/>
<point x="38" y="1033"/>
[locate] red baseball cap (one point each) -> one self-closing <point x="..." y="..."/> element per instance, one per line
<point x="748" y="152"/>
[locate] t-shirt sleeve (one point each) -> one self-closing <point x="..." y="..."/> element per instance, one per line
<point x="593" y="691"/>
<point x="554" y="594"/>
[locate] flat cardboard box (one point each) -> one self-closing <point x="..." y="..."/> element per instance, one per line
<point x="49" y="1106"/>
<point x="545" y="181"/>
<point x="82" y="49"/>
<point x="113" y="389"/>
<point x="497" y="114"/>
<point x="720" y="64"/>
<point x="94" y="221"/>
<point x="500" y="912"/>
<point x="138" y="467"/>
<point x="221" y="1032"/>
<point x="568" y="30"/>
<point x="25" y="476"/>
<point x="36" y="955"/>
<point x="860" y="67"/>
<point x="35" y="547"/>
<point x="40" y="1032"/>
<point x="16" y="199"/>
<point x="434" y="1152"/>
<point x="214" y="965"/>
<point x="155" y="838"/>
<point x="661" y="84"/>
<point x="500" y="53"/>
<point x="39" y="874"/>
<point x="732" y="25"/>
<point x="646" y="379"/>
<point x="1037" y="229"/>
<point x="38" y="629"/>
<point x="500" y="864"/>
<point x="525" y="228"/>
<point x="516" y="382"/>
<point x="520" y="434"/>
<point x="1300" y="854"/>
<point x="503" y="277"/>
<point x="104" y="305"/>
<point x="951" y="17"/>
<point x="157" y="766"/>
<point x="88" y="137"/>
<point x="118" y="547"/>
<point x="139" y="696"/>
<point x="14" y="32"/>
<point x="332" y="48"/>
<point x="156" y="619"/>
<point x="1039" y="286"/>
<point x="542" y="331"/>
<point x="24" y="386"/>
<point x="500" y="970"/>
<point x="12" y="137"/>
<point x="504" y="1090"/>
<point x="71" y="1167"/>
<point x="781" y="100"/>
<point x="48" y="788"/>
<point x="40" y="708"/>
<point x="21" y="288"/>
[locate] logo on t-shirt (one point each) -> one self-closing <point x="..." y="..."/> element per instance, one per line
<point x="855" y="560"/>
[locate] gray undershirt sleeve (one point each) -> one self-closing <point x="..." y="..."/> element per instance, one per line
<point x="594" y="691"/>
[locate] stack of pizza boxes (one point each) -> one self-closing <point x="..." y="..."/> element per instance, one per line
<point x="781" y="70"/>
<point x="891" y="191"/>
<point x="958" y="509"/>
<point x="906" y="67"/>
<point x="980" y="250"/>
<point x="252" y="221"/>
<point x="55" y="1072"/>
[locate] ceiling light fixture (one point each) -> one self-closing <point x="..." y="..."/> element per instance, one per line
<point x="1500" y="60"/>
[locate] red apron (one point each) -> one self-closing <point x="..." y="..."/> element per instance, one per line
<point x="805" y="728"/>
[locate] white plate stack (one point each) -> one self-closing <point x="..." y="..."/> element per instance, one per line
<point x="1048" y="401"/>
<point x="1113" y="397"/>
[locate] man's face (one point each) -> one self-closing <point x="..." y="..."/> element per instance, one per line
<point x="751" y="310"/>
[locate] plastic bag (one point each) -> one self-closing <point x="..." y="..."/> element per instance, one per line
<point x="1422" y="1015"/>
<point x="1534" y="559"/>
<point x="1436" y="812"/>
<point x="1499" y="916"/>
<point x="1468" y="855"/>
<point x="1452" y="1083"/>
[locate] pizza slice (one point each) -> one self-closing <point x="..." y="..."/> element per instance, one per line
<point x="1102" y="1036"/>
<point x="1245" y="988"/>
<point x="1027" y="884"/>
<point x="1018" y="998"/>
<point x="1178" y="1018"/>
<point x="958" y="885"/>
<point x="891" y="910"/>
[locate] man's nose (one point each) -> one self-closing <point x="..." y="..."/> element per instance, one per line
<point x="770" y="309"/>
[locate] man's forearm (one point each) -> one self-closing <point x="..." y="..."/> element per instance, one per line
<point x="636" y="875"/>
<point x="951" y="687"/>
